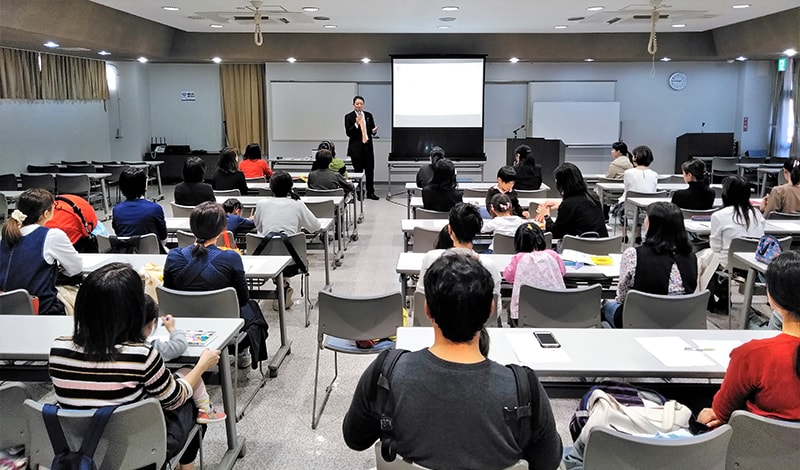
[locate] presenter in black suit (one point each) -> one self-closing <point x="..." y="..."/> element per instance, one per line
<point x="360" y="127"/>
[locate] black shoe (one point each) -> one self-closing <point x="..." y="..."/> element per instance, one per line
<point x="373" y="196"/>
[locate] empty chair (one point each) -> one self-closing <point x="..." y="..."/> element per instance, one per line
<point x="400" y="464"/>
<point x="689" y="213"/>
<point x="16" y="302"/>
<point x="344" y="320"/>
<point x="775" y="215"/>
<point x="104" y="162"/>
<point x="530" y="193"/>
<point x="593" y="246"/>
<point x="116" y="171"/>
<point x="227" y="192"/>
<point x="607" y="449"/>
<point x="652" y="311"/>
<point x="74" y="162"/>
<point x="722" y="167"/>
<point x="79" y="185"/>
<point x="322" y="209"/>
<point x="672" y="179"/>
<point x="80" y="168"/>
<point x="8" y="182"/>
<point x="568" y="308"/>
<point x="141" y="244"/>
<point x="134" y="437"/>
<point x="47" y="182"/>
<point x="325" y="192"/>
<point x="13" y="430"/>
<point x="180" y="211"/>
<point x="469" y="192"/>
<point x="420" y="213"/>
<point x="424" y="239"/>
<point x="759" y="442"/>
<point x="42" y="168"/>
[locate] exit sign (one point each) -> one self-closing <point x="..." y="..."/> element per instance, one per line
<point x="782" y="64"/>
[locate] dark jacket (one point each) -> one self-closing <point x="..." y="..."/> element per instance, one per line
<point x="576" y="215"/>
<point x="528" y="179"/>
<point x="192" y="194"/>
<point x="511" y="194"/>
<point x="424" y="176"/>
<point x="225" y="181"/>
<point x="436" y="199"/>
<point x="698" y="197"/>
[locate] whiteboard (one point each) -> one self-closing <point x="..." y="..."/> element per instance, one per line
<point x="309" y="110"/>
<point x="589" y="123"/>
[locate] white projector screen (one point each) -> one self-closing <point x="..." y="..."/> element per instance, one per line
<point x="576" y="123"/>
<point x="437" y="92"/>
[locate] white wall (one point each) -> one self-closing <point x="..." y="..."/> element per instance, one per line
<point x="129" y="111"/>
<point x="760" y="76"/>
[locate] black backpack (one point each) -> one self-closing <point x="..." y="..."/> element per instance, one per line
<point x="384" y="365"/>
<point x="83" y="459"/>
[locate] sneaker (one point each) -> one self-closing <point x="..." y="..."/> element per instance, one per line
<point x="244" y="360"/>
<point x="212" y="416"/>
<point x="287" y="296"/>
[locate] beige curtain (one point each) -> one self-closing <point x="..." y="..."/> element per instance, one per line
<point x="19" y="75"/>
<point x="73" y="78"/>
<point x="795" y="151"/>
<point x="243" y="104"/>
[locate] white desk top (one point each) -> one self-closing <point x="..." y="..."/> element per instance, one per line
<point x="749" y="258"/>
<point x="772" y="227"/>
<point x="29" y="337"/>
<point x="416" y="201"/>
<point x="410" y="186"/>
<point x="596" y="352"/>
<point x="254" y="266"/>
<point x="182" y="223"/>
<point x="92" y="176"/>
<point x="660" y="186"/>
<point x="251" y="201"/>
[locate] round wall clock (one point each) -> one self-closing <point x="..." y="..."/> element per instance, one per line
<point x="678" y="81"/>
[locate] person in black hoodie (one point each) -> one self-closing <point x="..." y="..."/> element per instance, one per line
<point x="425" y="173"/>
<point x="699" y="196"/>
<point x="442" y="193"/>
<point x="529" y="174"/>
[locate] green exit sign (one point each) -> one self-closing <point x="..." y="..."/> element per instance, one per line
<point x="782" y="64"/>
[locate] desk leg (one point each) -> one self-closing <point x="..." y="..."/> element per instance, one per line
<point x="749" y="286"/>
<point x="160" y="187"/>
<point x="235" y="442"/>
<point x="354" y="235"/>
<point x="286" y="345"/>
<point x="389" y="189"/>
<point x="340" y="235"/>
<point x="104" y="191"/>
<point x="408" y="203"/>
<point x="361" y="199"/>
<point x="326" y="250"/>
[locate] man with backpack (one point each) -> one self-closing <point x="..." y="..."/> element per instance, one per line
<point x="448" y="406"/>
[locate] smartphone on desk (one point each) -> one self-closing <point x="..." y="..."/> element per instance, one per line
<point x="546" y="339"/>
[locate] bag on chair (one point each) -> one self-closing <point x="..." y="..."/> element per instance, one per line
<point x="768" y="249"/>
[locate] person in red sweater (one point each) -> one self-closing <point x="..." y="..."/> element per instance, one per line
<point x="253" y="166"/>
<point x="763" y="376"/>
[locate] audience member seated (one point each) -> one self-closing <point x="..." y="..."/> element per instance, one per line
<point x="699" y="196"/>
<point x="535" y="264"/>
<point x="136" y="215"/>
<point x="450" y="402"/>
<point x="236" y="223"/>
<point x="763" y="376"/>
<point x="579" y="211"/>
<point x="192" y="191"/>
<point x="77" y="218"/>
<point x="503" y="221"/>
<point x="464" y="224"/>
<point x="664" y="264"/>
<point x="425" y="173"/>
<point x="227" y="176"/>
<point x="622" y="160"/>
<point x="253" y="166"/>
<point x="322" y="177"/>
<point x="107" y="362"/>
<point x="529" y="174"/>
<point x="505" y="185"/>
<point x="786" y="197"/>
<point x="31" y="255"/>
<point x="284" y="212"/>
<point x="203" y="266"/>
<point x="442" y="193"/>
<point x="640" y="178"/>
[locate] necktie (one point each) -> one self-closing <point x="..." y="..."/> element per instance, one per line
<point x="364" y="137"/>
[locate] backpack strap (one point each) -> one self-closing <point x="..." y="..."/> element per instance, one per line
<point x="524" y="409"/>
<point x="56" y="433"/>
<point x="77" y="210"/>
<point x="195" y="267"/>
<point x="301" y="266"/>
<point x="54" y="430"/>
<point x="98" y="425"/>
<point x="384" y="366"/>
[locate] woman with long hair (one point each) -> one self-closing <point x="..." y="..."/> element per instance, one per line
<point x="579" y="211"/>
<point x="699" y="196"/>
<point x="622" y="160"/>
<point x="786" y="197"/>
<point x="228" y="176"/>
<point x="737" y="218"/>
<point x="529" y="174"/>
<point x="442" y="193"/>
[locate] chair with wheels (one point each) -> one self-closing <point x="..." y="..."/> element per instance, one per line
<point x="568" y="308"/>
<point x="668" y="312"/>
<point x="759" y="442"/>
<point x="343" y="320"/>
<point x="16" y="302"/>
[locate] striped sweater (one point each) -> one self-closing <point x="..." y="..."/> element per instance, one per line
<point x="138" y="373"/>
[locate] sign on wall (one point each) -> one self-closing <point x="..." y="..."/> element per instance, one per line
<point x="188" y="96"/>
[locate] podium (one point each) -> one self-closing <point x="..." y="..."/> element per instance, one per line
<point x="710" y="144"/>
<point x="549" y="153"/>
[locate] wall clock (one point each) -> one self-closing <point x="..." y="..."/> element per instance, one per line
<point x="678" y="81"/>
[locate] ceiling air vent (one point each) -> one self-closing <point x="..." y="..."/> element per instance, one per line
<point x="649" y="17"/>
<point x="613" y="20"/>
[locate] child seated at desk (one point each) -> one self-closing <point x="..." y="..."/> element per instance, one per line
<point x="533" y="265"/>
<point x="172" y="348"/>
<point x="505" y="185"/>
<point x="504" y="222"/>
<point x="236" y="223"/>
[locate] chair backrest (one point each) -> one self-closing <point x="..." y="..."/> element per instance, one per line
<point x="760" y="442"/>
<point x="42" y="168"/>
<point x="179" y="210"/>
<point x="16" y="302"/>
<point x="260" y="179"/>
<point x="325" y="192"/>
<point x="78" y="185"/>
<point x="322" y="209"/>
<point x="13" y="430"/>
<point x="651" y="311"/>
<point x="221" y="303"/>
<point x="607" y="449"/>
<point x="359" y="318"/>
<point x="424" y="239"/>
<point x="649" y="195"/>
<point x="750" y="244"/>
<point x="227" y="192"/>
<point x="504" y="244"/>
<point x="47" y="182"/>
<point x="529" y="193"/>
<point x="420" y="319"/>
<point x="115" y="170"/>
<point x="80" y="168"/>
<point x="688" y="213"/>
<point x="469" y="192"/>
<point x="593" y="246"/>
<point x="8" y="182"/>
<point x="781" y="178"/>
<point x="775" y="215"/>
<point x="400" y="464"/>
<point x="276" y="247"/>
<point x="568" y="308"/>
<point x="148" y="244"/>
<point x="420" y="213"/>
<point x="3" y="207"/>
<point x="184" y="238"/>
<point x="724" y="164"/>
<point x="673" y="179"/>
<point x="263" y="192"/>
<point x="135" y="436"/>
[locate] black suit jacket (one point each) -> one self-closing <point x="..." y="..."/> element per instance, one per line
<point x="355" y="148"/>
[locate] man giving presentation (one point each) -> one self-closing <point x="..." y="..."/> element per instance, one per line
<point x="360" y="127"/>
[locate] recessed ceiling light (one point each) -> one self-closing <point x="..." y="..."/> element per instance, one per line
<point x="50" y="44"/>
<point x="142" y="60"/>
<point x="450" y="8"/>
<point x="588" y="59"/>
<point x="216" y="60"/>
<point x="443" y="26"/>
<point x="103" y="53"/>
<point x="330" y="26"/>
<point x="665" y="59"/>
<point x="170" y="8"/>
<point x="790" y="52"/>
<point x="561" y="26"/>
<point x="310" y="8"/>
<point x="741" y="5"/>
<point x="291" y="60"/>
<point x="513" y="60"/>
<point x="741" y="58"/>
<point x="365" y="60"/>
<point x="679" y="25"/>
<point x="216" y="26"/>
<point x="595" y="8"/>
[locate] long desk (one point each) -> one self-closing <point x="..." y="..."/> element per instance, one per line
<point x="255" y="267"/>
<point x="412" y="167"/>
<point x="28" y="338"/>
<point x="412" y="190"/>
<point x="299" y="163"/>
<point x="772" y="227"/>
<point x="93" y="178"/>
<point x="763" y="173"/>
<point x="525" y="202"/>
<point x="142" y="164"/>
<point x="754" y="266"/>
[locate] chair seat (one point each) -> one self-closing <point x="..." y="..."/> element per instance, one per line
<point x="349" y="346"/>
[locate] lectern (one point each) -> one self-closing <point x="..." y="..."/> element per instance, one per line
<point x="711" y="144"/>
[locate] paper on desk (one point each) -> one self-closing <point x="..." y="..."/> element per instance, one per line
<point x="671" y="351"/>
<point x="96" y="260"/>
<point x="529" y="351"/>
<point x="718" y="349"/>
<point x="572" y="255"/>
